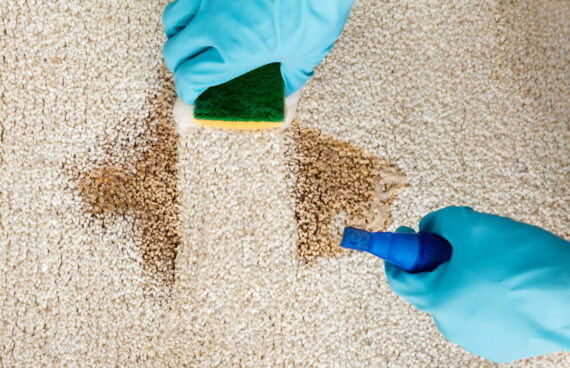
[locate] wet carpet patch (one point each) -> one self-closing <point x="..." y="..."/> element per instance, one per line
<point x="337" y="185"/>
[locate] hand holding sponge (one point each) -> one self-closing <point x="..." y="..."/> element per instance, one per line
<point x="211" y="42"/>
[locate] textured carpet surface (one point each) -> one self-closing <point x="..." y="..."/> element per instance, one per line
<point x="122" y="244"/>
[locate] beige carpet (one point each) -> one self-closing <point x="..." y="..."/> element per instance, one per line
<point x="122" y="244"/>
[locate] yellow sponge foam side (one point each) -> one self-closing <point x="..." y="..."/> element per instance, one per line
<point x="239" y="125"/>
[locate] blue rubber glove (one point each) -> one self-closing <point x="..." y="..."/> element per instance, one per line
<point x="505" y="293"/>
<point x="213" y="41"/>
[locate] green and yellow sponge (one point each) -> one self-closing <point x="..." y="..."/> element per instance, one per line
<point x="253" y="101"/>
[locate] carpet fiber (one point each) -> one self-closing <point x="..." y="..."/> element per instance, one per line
<point x="122" y="244"/>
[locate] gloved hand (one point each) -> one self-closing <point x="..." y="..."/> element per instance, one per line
<point x="213" y="41"/>
<point x="505" y="293"/>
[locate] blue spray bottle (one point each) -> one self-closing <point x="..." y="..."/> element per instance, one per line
<point x="414" y="252"/>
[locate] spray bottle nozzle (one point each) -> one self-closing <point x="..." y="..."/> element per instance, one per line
<point x="414" y="252"/>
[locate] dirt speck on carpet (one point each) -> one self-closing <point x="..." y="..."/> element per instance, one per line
<point x="337" y="185"/>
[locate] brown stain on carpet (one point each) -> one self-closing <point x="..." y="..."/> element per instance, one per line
<point x="337" y="185"/>
<point x="142" y="186"/>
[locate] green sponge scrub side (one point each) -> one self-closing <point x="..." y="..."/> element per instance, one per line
<point x="256" y="96"/>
